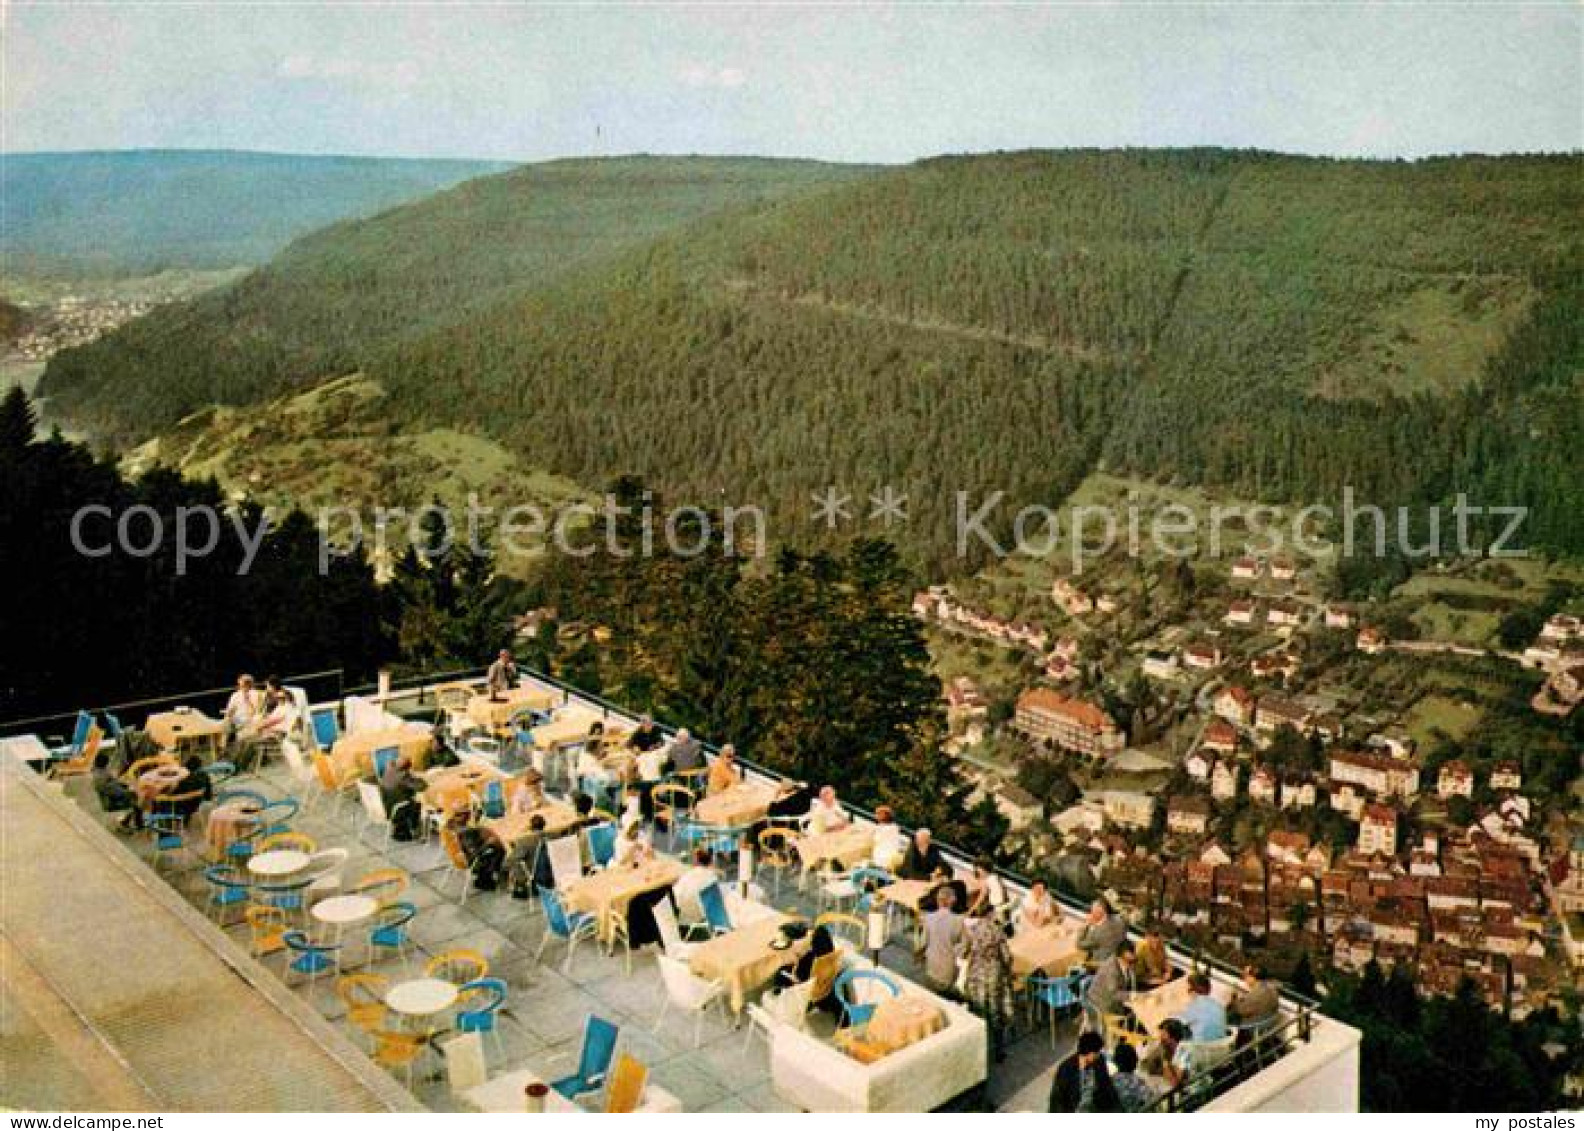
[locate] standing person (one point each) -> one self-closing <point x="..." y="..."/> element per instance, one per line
<point x="1103" y="932"/>
<point x="988" y="980"/>
<point x="502" y="675"/>
<point x="1081" y="1083"/>
<point x="943" y="938"/>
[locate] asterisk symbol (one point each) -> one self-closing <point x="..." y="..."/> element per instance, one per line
<point x="888" y="506"/>
<point x="831" y="507"/>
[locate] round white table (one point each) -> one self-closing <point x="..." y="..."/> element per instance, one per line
<point x="344" y="910"/>
<point x="421" y="997"/>
<point x="277" y="863"/>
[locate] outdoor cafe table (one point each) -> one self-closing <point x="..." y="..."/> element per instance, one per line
<point x="847" y="847"/>
<point x="558" y="819"/>
<point x="422" y="997"/>
<point x="903" y="1020"/>
<point x="353" y="754"/>
<point x="1051" y="950"/>
<point x="452" y="789"/>
<point x="278" y="863"/>
<point x="161" y="779"/>
<point x="743" y="958"/>
<point x="1153" y="1006"/>
<point x="228" y="824"/>
<point x="742" y="805"/>
<point x="605" y="895"/>
<point x="570" y="726"/>
<point x="182" y="728"/>
<point x="491" y="713"/>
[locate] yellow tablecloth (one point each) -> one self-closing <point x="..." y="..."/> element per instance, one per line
<point x="509" y="829"/>
<point x="454" y="788"/>
<point x="571" y="725"/>
<point x="738" y="806"/>
<point x="353" y="754"/>
<point x="904" y="1020"/>
<point x="1154" y="1006"/>
<point x="743" y="959"/>
<point x="488" y="713"/>
<point x="605" y="895"/>
<point x="174" y="730"/>
<point x="1051" y="950"/>
<point x="849" y="847"/>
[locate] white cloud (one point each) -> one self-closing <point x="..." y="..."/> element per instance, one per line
<point x="704" y="75"/>
<point x="306" y="67"/>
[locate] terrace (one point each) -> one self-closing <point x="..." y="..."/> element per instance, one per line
<point x="1306" y="1062"/>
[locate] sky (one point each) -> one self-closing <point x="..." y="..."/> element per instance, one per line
<point x="858" y="82"/>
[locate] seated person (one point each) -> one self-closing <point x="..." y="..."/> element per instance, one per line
<point x="826" y="814"/>
<point x="821" y="946"/>
<point x="1205" y="1017"/>
<point x="990" y="894"/>
<point x="685" y="754"/>
<point x="527" y="793"/>
<point x="923" y="860"/>
<point x="700" y="875"/>
<point x="524" y="859"/>
<point x="193" y="789"/>
<point x="1256" y="1001"/>
<point x="400" y="789"/>
<point x="273" y="723"/>
<point x="792" y="799"/>
<point x="1134" y="1092"/>
<point x="1102" y="933"/>
<point x="890" y="842"/>
<point x="632" y="847"/>
<point x="723" y="772"/>
<point x="650" y="768"/>
<point x="646" y="736"/>
<point x="1153" y="966"/>
<point x="115" y="796"/>
<point x="1037" y="909"/>
<point x="1170" y="1056"/>
<point x="243" y="706"/>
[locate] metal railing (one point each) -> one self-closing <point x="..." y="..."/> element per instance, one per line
<point x="1264" y="1048"/>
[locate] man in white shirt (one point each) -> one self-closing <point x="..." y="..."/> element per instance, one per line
<point x="243" y="707"/>
<point x="826" y="814"/>
<point x="686" y="890"/>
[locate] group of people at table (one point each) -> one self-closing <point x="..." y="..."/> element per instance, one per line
<point x="974" y="942"/>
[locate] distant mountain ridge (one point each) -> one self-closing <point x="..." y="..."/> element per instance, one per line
<point x="1283" y="327"/>
<point x="135" y="212"/>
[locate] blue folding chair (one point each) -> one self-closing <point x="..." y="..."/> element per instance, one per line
<point x="859" y="1012"/>
<point x="571" y="927"/>
<point x="599" y="1048"/>
<point x="80" y="732"/>
<point x="228" y="887"/>
<point x="601" y="843"/>
<point x="325" y="728"/>
<point x="383" y="757"/>
<point x="716" y="918"/>
<point x="221" y="771"/>
<point x="479" y="1017"/>
<point x="1058" y="996"/>
<point x="494" y="800"/>
<point x="113" y="725"/>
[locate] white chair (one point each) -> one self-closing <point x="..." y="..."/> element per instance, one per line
<point x="836" y="887"/>
<point x="374" y="808"/>
<point x="688" y="992"/>
<point x="566" y="861"/>
<point x="786" y="1007"/>
<point x="670" y="934"/>
<point x="301" y="771"/>
<point x="464" y="1062"/>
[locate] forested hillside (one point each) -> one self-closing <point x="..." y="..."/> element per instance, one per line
<point x="144" y="211"/>
<point x="1279" y="326"/>
<point x="334" y="300"/>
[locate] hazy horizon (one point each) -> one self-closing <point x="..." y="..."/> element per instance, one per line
<point x="872" y="85"/>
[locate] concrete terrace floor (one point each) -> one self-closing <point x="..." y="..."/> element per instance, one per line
<point x="547" y="1007"/>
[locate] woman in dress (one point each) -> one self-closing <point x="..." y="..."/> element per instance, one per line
<point x="988" y="983"/>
